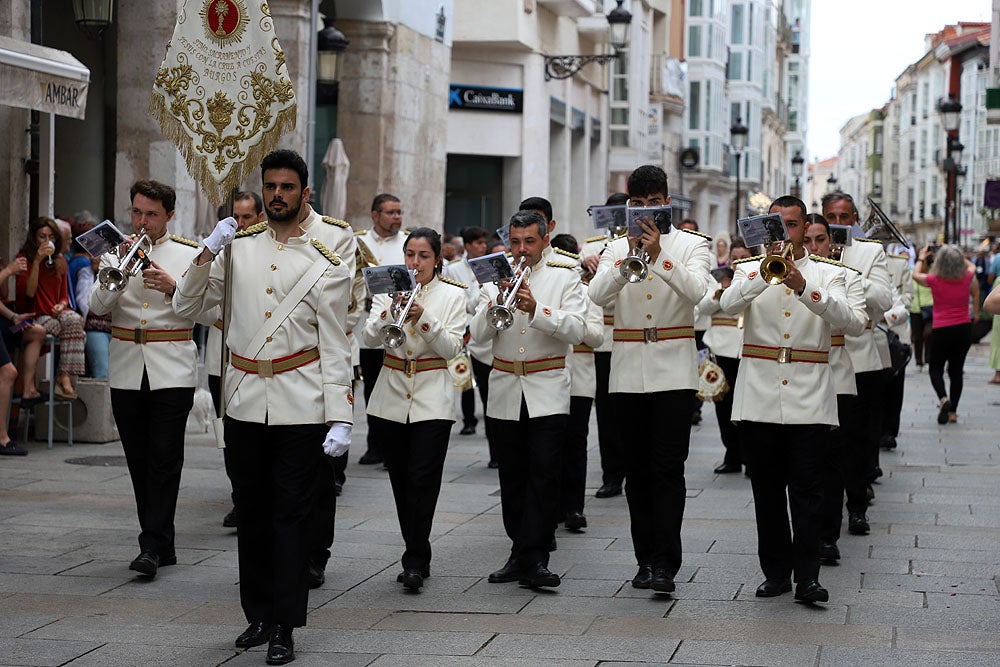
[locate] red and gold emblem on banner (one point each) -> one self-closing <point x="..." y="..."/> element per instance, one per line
<point x="224" y="20"/>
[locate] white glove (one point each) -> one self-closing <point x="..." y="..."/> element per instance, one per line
<point x="338" y="440"/>
<point x="221" y="236"/>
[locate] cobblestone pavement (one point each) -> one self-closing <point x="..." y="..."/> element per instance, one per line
<point x="921" y="589"/>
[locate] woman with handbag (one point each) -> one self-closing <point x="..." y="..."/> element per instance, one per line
<point x="412" y="406"/>
<point x="951" y="283"/>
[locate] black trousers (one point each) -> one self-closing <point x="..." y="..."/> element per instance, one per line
<point x="481" y="372"/>
<point x="530" y="456"/>
<point x="275" y="472"/>
<point x="868" y="413"/>
<point x="893" y="405"/>
<point x="655" y="434"/>
<point x="215" y="389"/>
<point x="324" y="512"/>
<point x="920" y="335"/>
<point x="951" y="344"/>
<point x="574" y="460"/>
<point x="724" y="413"/>
<point x="151" y="425"/>
<point x="414" y="454"/>
<point x="608" y="437"/>
<point x="844" y="449"/>
<point x="371" y="366"/>
<point x="787" y="463"/>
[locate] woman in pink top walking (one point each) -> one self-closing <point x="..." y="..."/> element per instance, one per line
<point x="951" y="283"/>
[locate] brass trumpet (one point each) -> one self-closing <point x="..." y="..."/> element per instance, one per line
<point x="635" y="267"/>
<point x="774" y="268"/>
<point x="501" y="316"/>
<point x="115" y="278"/>
<point x="393" y="335"/>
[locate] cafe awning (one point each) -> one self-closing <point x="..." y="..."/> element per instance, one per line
<point x="41" y="78"/>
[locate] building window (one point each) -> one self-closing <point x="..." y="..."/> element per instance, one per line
<point x="735" y="70"/>
<point x="696" y="8"/>
<point x="694" y="106"/>
<point x="708" y="107"/>
<point x="694" y="41"/>
<point x="619" y="125"/>
<point x="736" y="26"/>
<point x="793" y="120"/>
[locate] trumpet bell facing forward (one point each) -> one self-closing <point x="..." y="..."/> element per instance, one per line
<point x="774" y="268"/>
<point x="500" y="317"/>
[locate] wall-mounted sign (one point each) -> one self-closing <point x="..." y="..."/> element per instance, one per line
<point x="484" y="98"/>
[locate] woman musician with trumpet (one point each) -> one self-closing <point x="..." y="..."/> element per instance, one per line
<point x="412" y="406"/>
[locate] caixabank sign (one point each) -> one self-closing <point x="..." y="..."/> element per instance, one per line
<point x="484" y="98"/>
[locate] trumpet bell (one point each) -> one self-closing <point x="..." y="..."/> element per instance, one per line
<point x="500" y="317"/>
<point x="634" y="269"/>
<point x="393" y="336"/>
<point x="774" y="269"/>
<point x="112" y="279"/>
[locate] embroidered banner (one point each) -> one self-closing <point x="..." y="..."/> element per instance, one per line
<point x="222" y="93"/>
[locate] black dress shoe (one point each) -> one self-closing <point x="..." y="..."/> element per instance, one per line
<point x="773" y="588"/>
<point x="230" y="520"/>
<point x="168" y="558"/>
<point x="424" y="572"/>
<point x="315" y="576"/>
<point x="511" y="571"/>
<point x="411" y="579"/>
<point x="643" y="578"/>
<point x="145" y="563"/>
<point x="281" y="647"/>
<point x="609" y="490"/>
<point x="538" y="577"/>
<point x="829" y="554"/>
<point x="857" y="524"/>
<point x="888" y="442"/>
<point x="370" y="458"/>
<point x="696" y="418"/>
<point x="575" y="521"/>
<point x="468" y="429"/>
<point x="493" y="465"/>
<point x="256" y="634"/>
<point x="662" y="581"/>
<point x="811" y="591"/>
<point x="726" y="468"/>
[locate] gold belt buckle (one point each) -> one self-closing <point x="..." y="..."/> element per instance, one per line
<point x="784" y="355"/>
<point x="649" y="335"/>
<point x="139" y="336"/>
<point x="519" y="368"/>
<point x="265" y="368"/>
<point x="739" y="321"/>
<point x="410" y="367"/>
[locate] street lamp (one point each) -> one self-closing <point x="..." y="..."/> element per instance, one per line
<point x="93" y="17"/>
<point x="951" y="114"/>
<point x="563" y="67"/>
<point x="797" y="163"/>
<point x="330" y="47"/>
<point x="831" y="184"/>
<point x="738" y="140"/>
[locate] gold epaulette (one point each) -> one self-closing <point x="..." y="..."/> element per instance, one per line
<point x="827" y="260"/>
<point x="560" y="265"/>
<point x="701" y="234"/>
<point x="595" y="239"/>
<point x="323" y="250"/>
<point x="406" y="231"/>
<point x="903" y="257"/>
<point x="334" y="221"/>
<point x="181" y="239"/>
<point x="755" y="258"/>
<point x="361" y="232"/>
<point x="450" y="281"/>
<point x="252" y="230"/>
<point x="864" y="240"/>
<point x="567" y="253"/>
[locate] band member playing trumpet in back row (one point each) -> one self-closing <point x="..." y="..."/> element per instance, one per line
<point x="530" y="392"/>
<point x="654" y="373"/>
<point x="785" y="400"/>
<point x="412" y="405"/>
<point x="152" y="369"/>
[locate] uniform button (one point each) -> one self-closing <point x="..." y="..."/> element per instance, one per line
<point x="145" y="305"/>
<point x="267" y="313"/>
<point x="409" y="396"/>
<point x="649" y="297"/>
<point x="787" y="336"/>
<point x="784" y="382"/>
<point x="412" y="330"/>
<point x="649" y="316"/>
<point x="269" y="290"/>
<point x="788" y="291"/>
<point x="524" y="331"/>
<point x="142" y="321"/>
<point x="787" y="314"/>
<point x="274" y="267"/>
<point x="521" y="350"/>
<point x="281" y="247"/>
<point x="649" y="277"/>
<point x="409" y="353"/>
<point x="270" y="340"/>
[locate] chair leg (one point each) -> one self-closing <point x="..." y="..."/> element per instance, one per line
<point x="52" y="385"/>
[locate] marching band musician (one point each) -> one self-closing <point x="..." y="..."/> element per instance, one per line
<point x="897" y="319"/>
<point x="385" y="242"/>
<point x="846" y="445"/>
<point x="785" y="402"/>
<point x="869" y="363"/>
<point x="583" y="383"/>
<point x="654" y="375"/>
<point x="412" y="403"/>
<point x="529" y="395"/>
<point x="153" y="362"/>
<point x="608" y="441"/>
<point x="288" y="392"/>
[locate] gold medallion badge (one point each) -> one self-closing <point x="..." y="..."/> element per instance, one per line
<point x="224" y="20"/>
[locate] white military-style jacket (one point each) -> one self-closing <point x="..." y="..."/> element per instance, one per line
<point x="595" y="246"/>
<point x="785" y="375"/>
<point x="533" y="350"/>
<point x="901" y="277"/>
<point x="582" y="369"/>
<point x="264" y="272"/>
<point x="653" y="345"/>
<point x="840" y="360"/>
<point x="481" y="351"/>
<point x="140" y="314"/>
<point x="725" y="332"/>
<point x="385" y="251"/>
<point x="414" y="384"/>
<point x="868" y="257"/>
